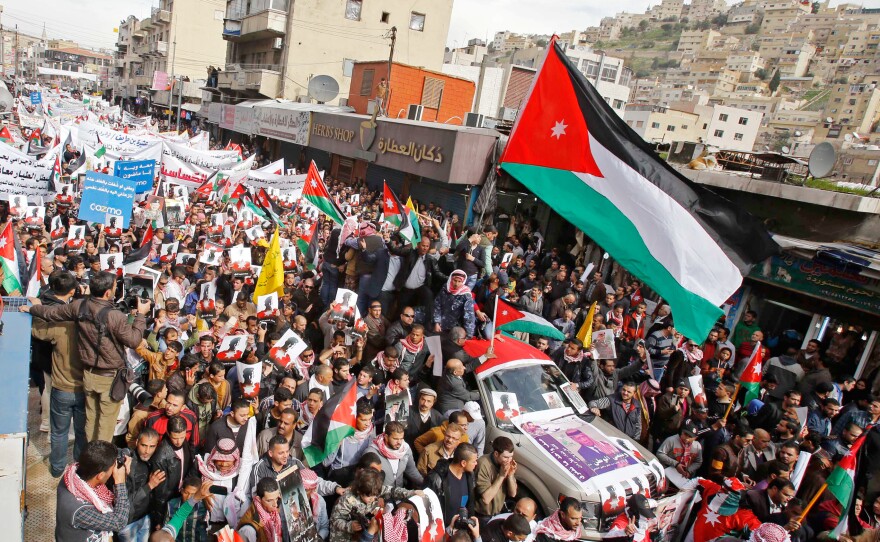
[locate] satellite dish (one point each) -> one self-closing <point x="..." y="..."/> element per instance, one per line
<point x="829" y="120"/>
<point x="822" y="160"/>
<point x="785" y="150"/>
<point x="798" y="133"/>
<point x="323" y="88"/>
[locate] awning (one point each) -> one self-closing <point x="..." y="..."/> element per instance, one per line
<point x="194" y="108"/>
<point x="65" y="73"/>
<point x="853" y="258"/>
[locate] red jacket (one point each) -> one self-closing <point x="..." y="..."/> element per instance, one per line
<point x="159" y="421"/>
<point x="634" y="329"/>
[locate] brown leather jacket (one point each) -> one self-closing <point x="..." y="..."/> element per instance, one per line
<point x="118" y="331"/>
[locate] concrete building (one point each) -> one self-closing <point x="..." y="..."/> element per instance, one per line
<point x="745" y="62"/>
<point x="693" y="41"/>
<point x="656" y="123"/>
<point x="607" y="73"/>
<point x="472" y="55"/>
<point x="489" y="82"/>
<point x="745" y="13"/>
<point x="858" y="164"/>
<point x="704" y="10"/>
<point x="667" y="9"/>
<point x="731" y="128"/>
<point x="76" y="59"/>
<point x="22" y="54"/>
<point x="782" y="16"/>
<point x="795" y="61"/>
<point x="275" y="47"/>
<point x="850" y="108"/>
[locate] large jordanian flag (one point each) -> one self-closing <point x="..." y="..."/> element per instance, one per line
<point x="335" y="421"/>
<point x="572" y="150"/>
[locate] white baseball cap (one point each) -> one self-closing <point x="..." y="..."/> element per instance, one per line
<point x="473" y="408"/>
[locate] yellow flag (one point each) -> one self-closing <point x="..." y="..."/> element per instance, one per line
<point x="585" y="335"/>
<point x="271" y="277"/>
<point x="410" y="206"/>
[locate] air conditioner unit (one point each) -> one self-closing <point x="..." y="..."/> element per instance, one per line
<point x="303" y="99"/>
<point x="278" y="44"/>
<point x="414" y="112"/>
<point x="508" y="114"/>
<point x="343" y="102"/>
<point x="371" y="107"/>
<point x="474" y="120"/>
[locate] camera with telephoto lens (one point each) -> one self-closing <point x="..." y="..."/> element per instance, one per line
<point x="140" y="395"/>
<point x="363" y="519"/>
<point x="129" y="303"/>
<point x="463" y="521"/>
<point x="121" y="454"/>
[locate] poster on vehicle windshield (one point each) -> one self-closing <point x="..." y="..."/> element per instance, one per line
<point x="577" y="446"/>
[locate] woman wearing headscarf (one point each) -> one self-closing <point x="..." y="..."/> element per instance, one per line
<point x="454" y="305"/>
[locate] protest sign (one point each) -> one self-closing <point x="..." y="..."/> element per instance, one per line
<point x="104" y="195"/>
<point x="21" y="174"/>
<point x="296" y="507"/>
<point x="139" y="171"/>
<point x="36" y="98"/>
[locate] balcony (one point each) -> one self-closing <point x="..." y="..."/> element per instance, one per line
<point x="159" y="48"/>
<point x="138" y="34"/>
<point x="147" y="24"/>
<point x="269" y="23"/>
<point x="161" y="16"/>
<point x="142" y="80"/>
<point x="263" y="79"/>
<point x="118" y="62"/>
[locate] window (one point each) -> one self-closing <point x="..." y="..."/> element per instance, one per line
<point x="670" y="128"/>
<point x="385" y="17"/>
<point x="353" y="9"/>
<point x="590" y="68"/>
<point x="705" y="126"/>
<point x="367" y="82"/>
<point x="347" y="67"/>
<point x="640" y="123"/>
<point x="722" y="117"/>
<point x="655" y="125"/>
<point x="417" y="22"/>
<point x="432" y="92"/>
<point x="737" y="137"/>
<point x="743" y="120"/>
<point x="719" y="133"/>
<point x="872" y="162"/>
<point x="618" y="104"/>
<point x="684" y="126"/>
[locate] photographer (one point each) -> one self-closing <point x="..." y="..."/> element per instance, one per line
<point x="103" y="333"/>
<point x="86" y="509"/>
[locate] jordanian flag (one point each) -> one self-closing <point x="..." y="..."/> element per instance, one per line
<point x="397" y="215"/>
<point x="9" y="262"/>
<point x="751" y="375"/>
<point x="335" y="421"/>
<point x="316" y="193"/>
<point x="841" y="484"/>
<point x="6" y="136"/>
<point x="307" y="245"/>
<point x="102" y="150"/>
<point x="574" y="152"/>
<point x="135" y="260"/>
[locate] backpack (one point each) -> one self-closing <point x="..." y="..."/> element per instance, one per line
<point x="125" y="376"/>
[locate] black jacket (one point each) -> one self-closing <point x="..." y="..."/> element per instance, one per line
<point x="438" y="481"/>
<point x="219" y="429"/>
<point x="451" y="349"/>
<point x="138" y="490"/>
<point x="166" y="461"/>
<point x="408" y="258"/>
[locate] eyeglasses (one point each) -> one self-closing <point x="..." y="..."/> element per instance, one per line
<point x="307" y="287"/>
<point x="163" y="283"/>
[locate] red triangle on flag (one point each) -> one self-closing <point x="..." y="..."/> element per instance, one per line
<point x="554" y="117"/>
<point x="752" y="373"/>
<point x="7" y="243"/>
<point x="314" y="185"/>
<point x="389" y="203"/>
<point x="505" y="314"/>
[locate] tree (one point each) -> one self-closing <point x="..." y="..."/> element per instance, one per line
<point x="666" y="28"/>
<point x="774" y="82"/>
<point x="643" y="25"/>
<point x="541" y="43"/>
<point x="815" y="7"/>
<point x="753" y="28"/>
<point x="703" y="25"/>
<point x="720" y="19"/>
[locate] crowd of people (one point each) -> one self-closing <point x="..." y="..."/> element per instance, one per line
<point x="172" y="442"/>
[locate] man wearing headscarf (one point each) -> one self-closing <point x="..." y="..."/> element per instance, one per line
<point x="221" y="466"/>
<point x="316" y="502"/>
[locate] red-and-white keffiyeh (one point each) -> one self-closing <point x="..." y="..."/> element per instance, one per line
<point x="310" y="484"/>
<point x="553" y="528"/>
<point x="271" y="521"/>
<point x="224" y="450"/>
<point x="573" y="359"/>
<point x="380" y="357"/>
<point x="411" y="347"/>
<point x="770" y="532"/>
<point x="463" y="289"/>
<point x="387" y="452"/>
<point x="100" y="497"/>
<point x="361" y="435"/>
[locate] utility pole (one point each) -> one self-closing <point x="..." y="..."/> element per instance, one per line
<point x="179" y="104"/>
<point x="2" y="46"/>
<point x="390" y="61"/>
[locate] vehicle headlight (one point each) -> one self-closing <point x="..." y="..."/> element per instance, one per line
<point x="592" y="512"/>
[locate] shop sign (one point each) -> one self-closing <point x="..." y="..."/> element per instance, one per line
<point x="227" y="116"/>
<point x="243" y="122"/>
<point x="421" y="150"/>
<point x="284" y="124"/>
<point x="822" y="281"/>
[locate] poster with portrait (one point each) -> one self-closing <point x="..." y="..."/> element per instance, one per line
<point x="553" y="400"/>
<point x="206" y="306"/>
<point x="506" y="405"/>
<point x="56" y="229"/>
<point x="698" y="392"/>
<point x="254" y="234"/>
<point x="175" y="212"/>
<point x="76" y="237"/>
<point x="112" y="227"/>
<point x="65" y="195"/>
<point x="111" y="262"/>
<point x="287" y="349"/>
<point x="296" y="505"/>
<point x="397" y="406"/>
<point x="249" y="376"/>
<point x="211" y="255"/>
<point x="183" y="257"/>
<point x="154" y="211"/>
<point x="167" y="251"/>
<point x="344" y="307"/>
<point x="603" y="344"/>
<point x="18" y="204"/>
<point x="288" y="255"/>
<point x="232" y="348"/>
<point x="178" y="192"/>
<point x="267" y="307"/>
<point x="240" y="260"/>
<point x="34" y="216"/>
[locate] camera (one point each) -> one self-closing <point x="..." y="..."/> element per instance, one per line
<point x="363" y="519"/>
<point x="130" y="301"/>
<point x="463" y="521"/>
<point x="140" y="395"/>
<point x="121" y="454"/>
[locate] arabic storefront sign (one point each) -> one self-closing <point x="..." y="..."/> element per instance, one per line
<point x="420" y="150"/>
<point x="105" y="196"/>
<point x="140" y="171"/>
<point x="821" y="281"/>
<point x="243" y="122"/>
<point x="284" y="124"/>
<point x="227" y="116"/>
<point x="20" y="174"/>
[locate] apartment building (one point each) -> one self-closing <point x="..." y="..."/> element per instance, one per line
<point x="851" y="108"/>
<point x="745" y="13"/>
<point x="657" y="123"/>
<point x="667" y="9"/>
<point x="275" y="47"/>
<point x="607" y="73"/>
<point x="795" y="61"/>
<point x="730" y="127"/>
<point x="693" y="41"/>
<point x="782" y="16"/>
<point x="704" y="10"/>
<point x="745" y="62"/>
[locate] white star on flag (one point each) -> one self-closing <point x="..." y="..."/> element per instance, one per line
<point x="504" y="313"/>
<point x="559" y="129"/>
<point x="314" y="184"/>
<point x="757" y="369"/>
<point x="354" y="410"/>
<point x="711" y="517"/>
<point x="389" y="203"/>
<point x="2" y="242"/>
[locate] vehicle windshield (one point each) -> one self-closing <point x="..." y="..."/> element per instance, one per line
<point x="531" y="388"/>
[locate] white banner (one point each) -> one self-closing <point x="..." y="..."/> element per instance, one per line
<point x="200" y="142"/>
<point x="285" y="124"/>
<point x="30" y="120"/>
<point x="193" y="175"/>
<point x="21" y="174"/>
<point x="284" y="183"/>
<point x="205" y="159"/>
<point x="131" y="120"/>
<point x="119" y="143"/>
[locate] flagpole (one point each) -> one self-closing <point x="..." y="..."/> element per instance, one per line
<point x="732" y="400"/>
<point x="812" y="502"/>
<point x="494" y="320"/>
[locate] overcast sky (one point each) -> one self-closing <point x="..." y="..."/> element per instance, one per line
<point x="91" y="22"/>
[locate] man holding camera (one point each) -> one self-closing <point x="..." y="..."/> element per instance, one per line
<point x="103" y="333"/>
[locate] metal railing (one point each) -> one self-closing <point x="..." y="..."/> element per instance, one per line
<point x="241" y="67"/>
